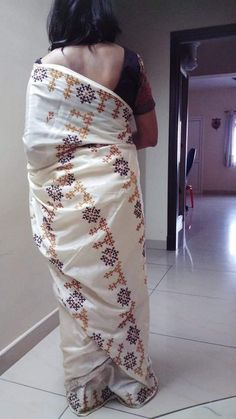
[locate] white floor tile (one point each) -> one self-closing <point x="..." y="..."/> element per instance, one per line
<point x="204" y="258"/>
<point x="201" y="318"/>
<point x="41" y="367"/>
<point x="190" y="373"/>
<point x="20" y="402"/>
<point x="155" y="274"/>
<point x="161" y="257"/>
<point x="200" y="282"/>
<point x="102" y="413"/>
<point x="194" y="298"/>
<point x="225" y="409"/>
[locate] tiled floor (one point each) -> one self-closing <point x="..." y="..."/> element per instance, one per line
<point x="192" y="340"/>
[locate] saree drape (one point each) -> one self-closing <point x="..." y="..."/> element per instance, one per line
<point x="87" y="220"/>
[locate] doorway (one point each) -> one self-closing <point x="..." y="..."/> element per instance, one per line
<point x="178" y="127"/>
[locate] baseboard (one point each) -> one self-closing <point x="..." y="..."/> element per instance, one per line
<point x="19" y="347"/>
<point x="156" y="244"/>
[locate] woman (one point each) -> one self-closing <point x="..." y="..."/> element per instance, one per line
<point x="85" y="201"/>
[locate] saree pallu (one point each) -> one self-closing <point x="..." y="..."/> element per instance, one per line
<point x="87" y="220"/>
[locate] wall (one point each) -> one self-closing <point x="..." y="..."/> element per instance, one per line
<point x="146" y="28"/>
<point x="26" y="292"/>
<point x="211" y="103"/>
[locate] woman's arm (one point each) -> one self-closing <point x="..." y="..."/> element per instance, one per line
<point x="147" y="130"/>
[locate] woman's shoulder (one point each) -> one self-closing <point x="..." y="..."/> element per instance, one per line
<point x="134" y="59"/>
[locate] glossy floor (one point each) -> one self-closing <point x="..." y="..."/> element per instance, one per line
<point x="192" y="340"/>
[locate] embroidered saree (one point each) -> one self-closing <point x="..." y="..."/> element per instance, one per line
<point x="87" y="220"/>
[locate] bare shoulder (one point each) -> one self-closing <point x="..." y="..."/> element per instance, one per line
<point x="53" y="57"/>
<point x="71" y="52"/>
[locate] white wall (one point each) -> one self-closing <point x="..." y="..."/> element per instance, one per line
<point x="211" y="103"/>
<point x="146" y="28"/>
<point x="26" y="293"/>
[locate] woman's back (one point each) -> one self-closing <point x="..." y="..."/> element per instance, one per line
<point x="102" y="62"/>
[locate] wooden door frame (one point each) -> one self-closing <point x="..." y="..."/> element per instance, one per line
<point x="176" y="39"/>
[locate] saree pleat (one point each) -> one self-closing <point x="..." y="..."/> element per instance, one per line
<point x="87" y="220"/>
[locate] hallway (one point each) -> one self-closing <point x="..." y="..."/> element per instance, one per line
<point x="192" y="340"/>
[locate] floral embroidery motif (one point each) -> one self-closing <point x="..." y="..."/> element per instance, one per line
<point x="55" y="192"/>
<point x="109" y="256"/>
<point x="135" y="197"/>
<point x="66" y="151"/>
<point x="127" y="114"/>
<point x="104" y="97"/>
<point x="144" y="394"/>
<point x="76" y="300"/>
<point x="67" y="179"/>
<point x="54" y="75"/>
<point x="98" y="339"/>
<point x="116" y="111"/>
<point x="71" y="82"/>
<point x="114" y="151"/>
<point x="124" y="296"/>
<point x="138" y="209"/>
<point x="91" y="214"/>
<point x="133" y="334"/>
<point x="121" y="167"/>
<point x="126" y="135"/>
<point x="130" y="360"/>
<point x="87" y="119"/>
<point x="106" y="393"/>
<point x="39" y="74"/>
<point x="57" y="263"/>
<point x="117" y="271"/>
<point x="73" y="401"/>
<point x="38" y="240"/>
<point x="85" y="93"/>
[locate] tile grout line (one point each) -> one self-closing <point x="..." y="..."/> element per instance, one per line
<point x="192" y="407"/>
<point x="161" y="280"/>
<point x="160" y="264"/>
<point x="194" y="295"/>
<point x="28" y="386"/>
<point x="197" y="268"/>
<point x="59" y="417"/>
<point x="124" y="411"/>
<point x="194" y="340"/>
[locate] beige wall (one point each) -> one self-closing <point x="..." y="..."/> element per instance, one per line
<point x="211" y="103"/>
<point x="26" y="294"/>
<point x="146" y="28"/>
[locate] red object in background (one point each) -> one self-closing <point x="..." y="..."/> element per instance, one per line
<point x="190" y="189"/>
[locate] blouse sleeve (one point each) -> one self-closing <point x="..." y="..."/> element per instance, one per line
<point x="144" y="100"/>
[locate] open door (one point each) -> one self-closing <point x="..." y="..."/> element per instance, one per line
<point x="178" y="117"/>
<point x="177" y="160"/>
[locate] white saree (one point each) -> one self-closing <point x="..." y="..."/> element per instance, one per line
<point x="87" y="220"/>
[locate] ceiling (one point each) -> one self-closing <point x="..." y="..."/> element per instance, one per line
<point x="212" y="81"/>
<point x="216" y="64"/>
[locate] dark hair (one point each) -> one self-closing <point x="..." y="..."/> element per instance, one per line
<point x="81" y="22"/>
